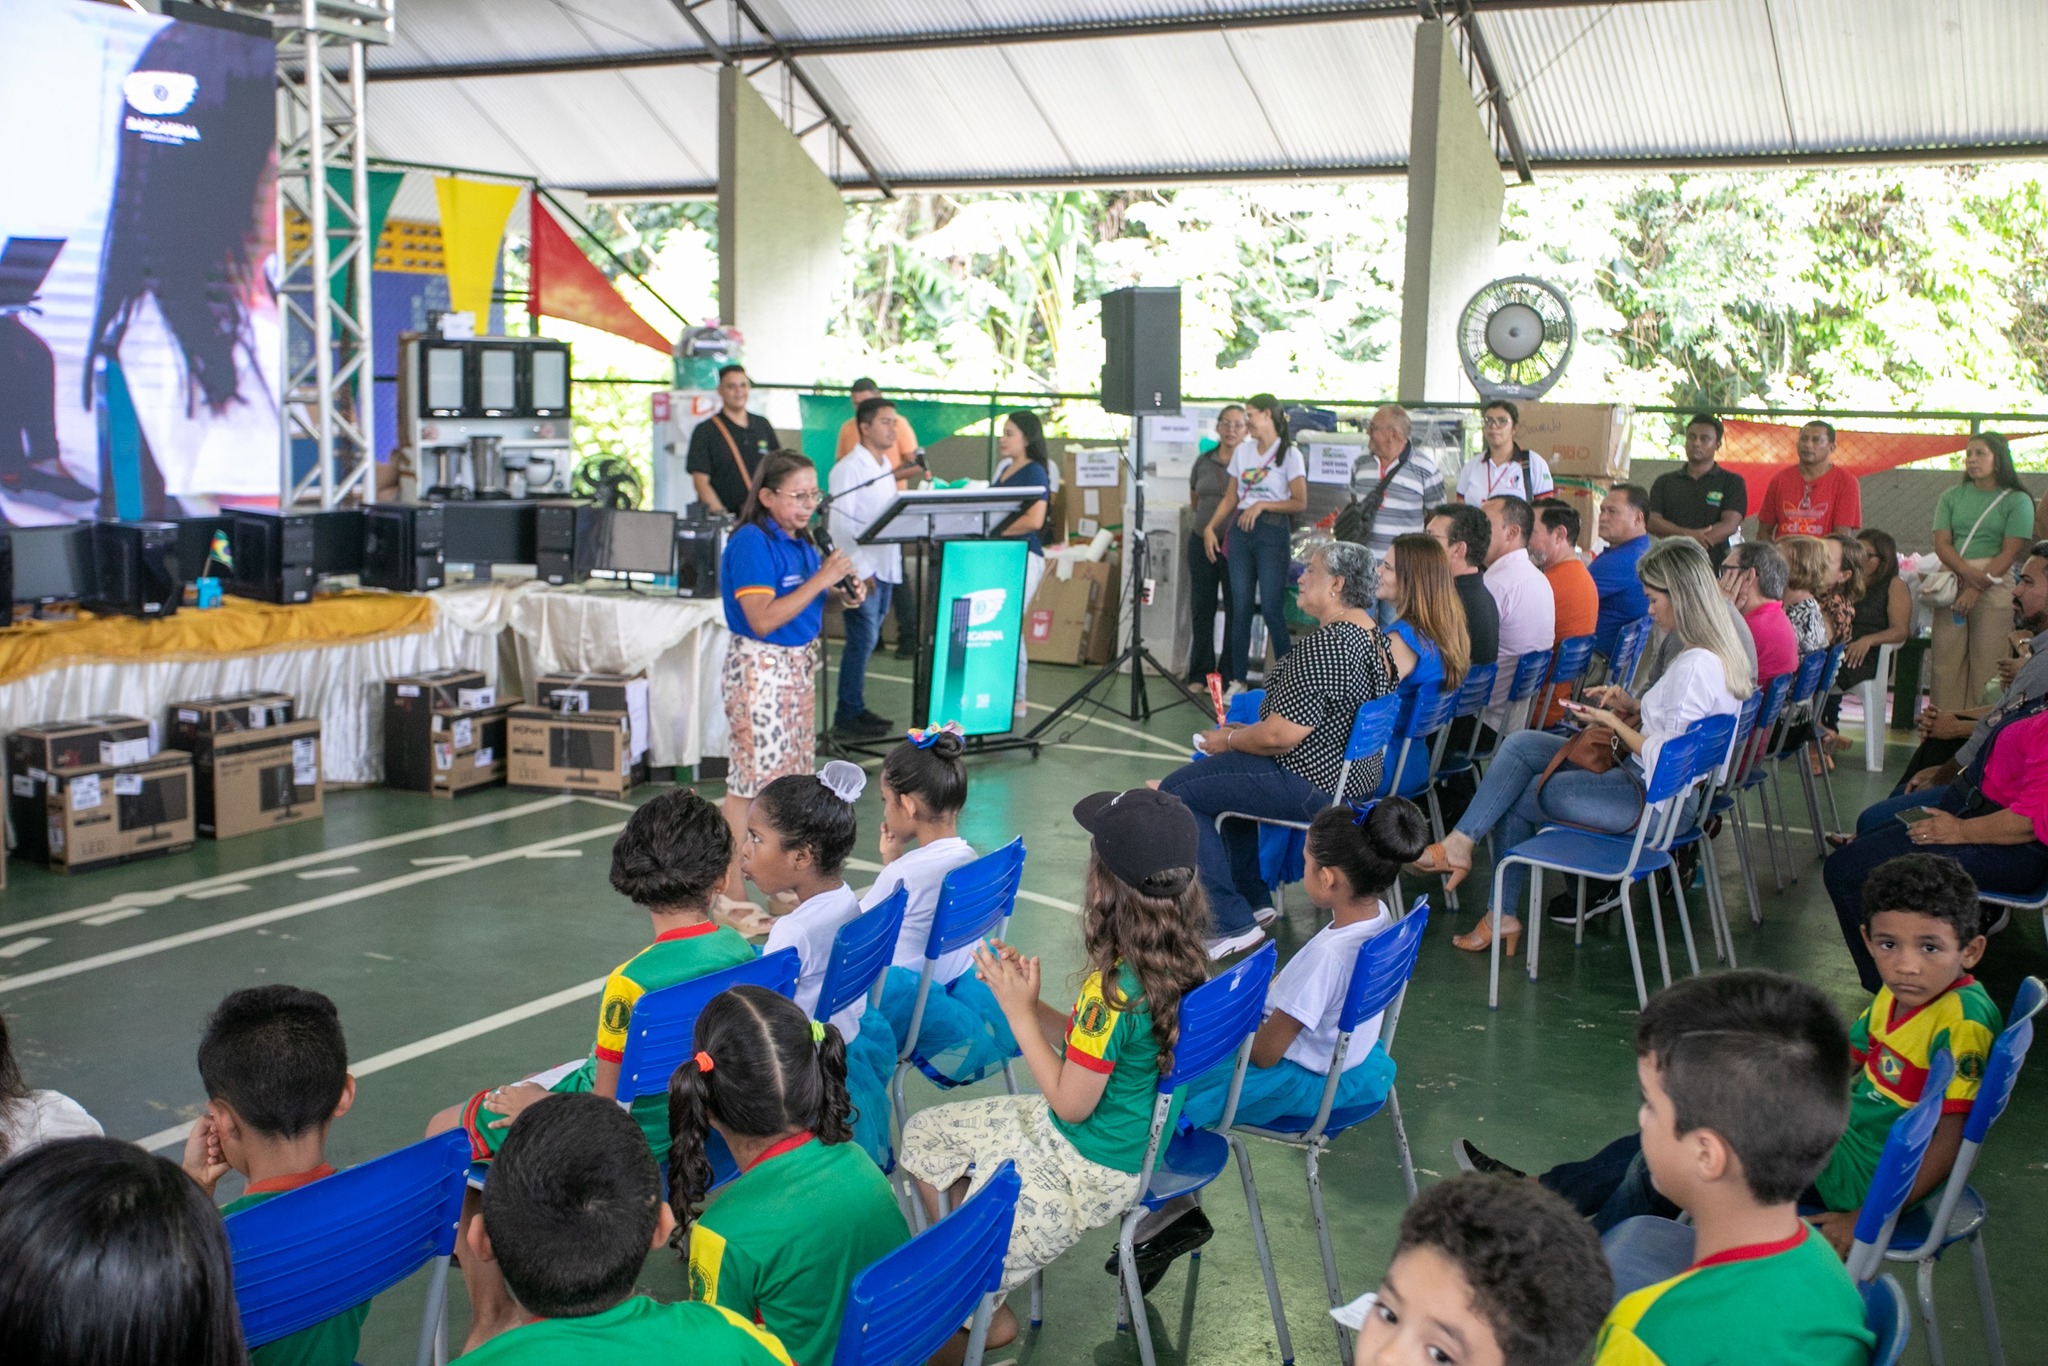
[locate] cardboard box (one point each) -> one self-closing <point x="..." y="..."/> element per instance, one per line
<point x="98" y="815"/>
<point x="600" y="693"/>
<point x="410" y="707"/>
<point x="1072" y="618"/>
<point x="1583" y="440"/>
<point x="583" y="753"/>
<point x="468" y="750"/>
<point x="1107" y="580"/>
<point x="249" y="780"/>
<point x="186" y="722"/>
<point x="34" y="752"/>
<point x="1077" y="512"/>
<point x="442" y="690"/>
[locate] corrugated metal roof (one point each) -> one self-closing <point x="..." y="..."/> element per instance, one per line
<point x="622" y="96"/>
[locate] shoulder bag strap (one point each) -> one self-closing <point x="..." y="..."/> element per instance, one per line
<point x="1988" y="510"/>
<point x="746" y="475"/>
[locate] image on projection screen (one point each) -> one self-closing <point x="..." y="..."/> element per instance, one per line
<point x="139" y="330"/>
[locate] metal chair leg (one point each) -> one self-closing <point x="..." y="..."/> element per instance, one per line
<point x="1807" y="755"/>
<point x="1265" y="1250"/>
<point x="1692" y="954"/>
<point x="1763" y="801"/>
<point x="1493" y="909"/>
<point x="1657" y="926"/>
<point x="1315" y="1204"/>
<point x="1037" y="1299"/>
<point x="433" y="1348"/>
<point x="1579" y="926"/>
<point x="1928" y="1318"/>
<point x="1635" y="951"/>
<point x="1401" y="1141"/>
<point x="1133" y="1301"/>
<point x="1745" y="858"/>
<point x="977" y="1331"/>
<point x="1717" y="905"/>
<point x="1827" y="779"/>
<point x="1994" y="1343"/>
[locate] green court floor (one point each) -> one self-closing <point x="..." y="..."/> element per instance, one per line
<point x="465" y="942"/>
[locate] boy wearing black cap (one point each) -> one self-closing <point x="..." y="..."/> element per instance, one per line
<point x="1078" y="1145"/>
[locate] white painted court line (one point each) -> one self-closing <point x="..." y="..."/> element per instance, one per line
<point x="109" y="917"/>
<point x="249" y="922"/>
<point x="21" y="946"/>
<point x="209" y="893"/>
<point x="349" y="871"/>
<point x="164" y="895"/>
<point x="440" y="860"/>
<point x="554" y="853"/>
<point x="1131" y="753"/>
<point x="433" y="1043"/>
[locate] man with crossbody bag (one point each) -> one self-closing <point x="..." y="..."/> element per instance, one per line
<point x="1391" y="492"/>
<point x="727" y="448"/>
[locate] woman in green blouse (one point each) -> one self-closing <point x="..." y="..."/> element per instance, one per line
<point x="1981" y="526"/>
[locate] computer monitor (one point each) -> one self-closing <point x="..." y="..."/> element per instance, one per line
<point x="161" y="801"/>
<point x="488" y="531"/>
<point x="583" y="749"/>
<point x="53" y="563"/>
<point x="625" y="542"/>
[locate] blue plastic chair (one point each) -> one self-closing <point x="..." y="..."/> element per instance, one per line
<point x="1571" y="660"/>
<point x="1217" y="1019"/>
<point x="1884" y="1313"/>
<point x="1832" y="667"/>
<point x="904" y="1305"/>
<point x="1280" y="850"/>
<point x="1739" y="729"/>
<point x="1379" y="984"/>
<point x="1728" y="802"/>
<point x="1960" y="1213"/>
<point x="1610" y="858"/>
<point x="1801" y="705"/>
<point x="1470" y="699"/>
<point x="1629" y="644"/>
<point x="2024" y="902"/>
<point x="861" y="953"/>
<point x="1898" y="1167"/>
<point x="975" y="900"/>
<point x="1412" y="771"/>
<point x="325" y="1248"/>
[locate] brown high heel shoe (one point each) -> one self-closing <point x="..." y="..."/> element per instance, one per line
<point x="1480" y="937"/>
<point x="1436" y="863"/>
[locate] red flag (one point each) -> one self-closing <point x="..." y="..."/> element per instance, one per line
<point x="565" y="285"/>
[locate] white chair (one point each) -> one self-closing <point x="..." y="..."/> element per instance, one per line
<point x="1873" y="691"/>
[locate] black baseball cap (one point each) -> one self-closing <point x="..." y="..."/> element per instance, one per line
<point x="1141" y="833"/>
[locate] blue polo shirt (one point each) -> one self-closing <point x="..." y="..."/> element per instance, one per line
<point x="1028" y="474"/>
<point x="1621" y="592"/>
<point x="767" y="559"/>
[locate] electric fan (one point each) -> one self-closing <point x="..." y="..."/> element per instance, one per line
<point x="608" y="481"/>
<point x="1515" y="336"/>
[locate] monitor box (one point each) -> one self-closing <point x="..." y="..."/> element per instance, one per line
<point x="34" y="752"/>
<point x="249" y="780"/>
<point x="442" y="690"/>
<point x="468" y="750"/>
<point x="613" y="694"/>
<point x="413" y="708"/>
<point x="585" y="753"/>
<point x="98" y="815"/>
<point x="185" y="723"/>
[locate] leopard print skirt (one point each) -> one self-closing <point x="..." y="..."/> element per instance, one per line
<point x="771" y="708"/>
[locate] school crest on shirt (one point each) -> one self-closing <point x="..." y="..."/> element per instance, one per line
<point x="1093" y="1017"/>
<point x="618" y="1013"/>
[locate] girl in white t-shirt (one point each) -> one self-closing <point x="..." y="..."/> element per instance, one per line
<point x="924" y="787"/>
<point x="799" y="833"/>
<point x="1352" y="858"/>
<point x="31" y="1118"/>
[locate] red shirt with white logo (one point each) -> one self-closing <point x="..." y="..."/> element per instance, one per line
<point x="1793" y="507"/>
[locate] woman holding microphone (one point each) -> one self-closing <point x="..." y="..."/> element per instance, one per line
<point x="774" y="580"/>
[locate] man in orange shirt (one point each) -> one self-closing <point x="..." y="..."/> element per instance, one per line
<point x="1553" y="545"/>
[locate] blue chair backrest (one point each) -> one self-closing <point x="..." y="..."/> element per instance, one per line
<point x="2007" y="1056"/>
<point x="663" y="1030"/>
<point x="974" y="899"/>
<point x="905" y="1305"/>
<point x="860" y="952"/>
<point x="1218" y="1016"/>
<point x="1372" y="728"/>
<point x="1406" y="770"/>
<point x="1628" y="648"/>
<point x="1714" y="735"/>
<point x="1674" y="768"/>
<point x="1477" y="689"/>
<point x="1898" y="1165"/>
<point x="1775" y="695"/>
<point x="1573" y="656"/>
<point x="1244" y="708"/>
<point x="1885" y="1314"/>
<point x="315" y="1252"/>
<point x="1806" y="681"/>
<point x="1530" y="671"/>
<point x="1832" y="667"/>
<point x="1385" y="963"/>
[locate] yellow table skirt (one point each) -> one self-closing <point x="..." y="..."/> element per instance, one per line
<point x="240" y="626"/>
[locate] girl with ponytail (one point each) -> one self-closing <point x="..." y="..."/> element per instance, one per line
<point x="784" y="1240"/>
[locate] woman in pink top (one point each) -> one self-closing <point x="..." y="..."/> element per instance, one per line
<point x="1754" y="579"/>
<point x="1991" y="820"/>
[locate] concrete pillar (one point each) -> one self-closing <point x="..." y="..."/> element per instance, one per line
<point x="780" y="225"/>
<point x="1454" y="202"/>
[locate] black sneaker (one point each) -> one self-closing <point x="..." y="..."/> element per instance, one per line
<point x="1470" y="1159"/>
<point x="862" y="728"/>
<point x="1159" y="1252"/>
<point x="871" y="719"/>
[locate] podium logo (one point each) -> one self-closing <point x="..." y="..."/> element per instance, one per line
<point x="159" y="93"/>
<point x="984" y="605"/>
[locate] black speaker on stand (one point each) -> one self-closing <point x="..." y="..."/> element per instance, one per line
<point x="1140" y="376"/>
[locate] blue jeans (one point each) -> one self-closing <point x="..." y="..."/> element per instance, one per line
<point x="1879" y="836"/>
<point x="863" y="629"/>
<point x="1257" y="557"/>
<point x="1509" y="807"/>
<point x="1614" y="1184"/>
<point x="1256" y="786"/>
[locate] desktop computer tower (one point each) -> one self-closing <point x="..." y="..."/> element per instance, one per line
<point x="274" y="556"/>
<point x="135" y="570"/>
<point x="403" y="547"/>
<point x="699" y="544"/>
<point x="554" y="542"/>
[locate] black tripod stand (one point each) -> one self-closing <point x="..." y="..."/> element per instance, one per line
<point x="1135" y="656"/>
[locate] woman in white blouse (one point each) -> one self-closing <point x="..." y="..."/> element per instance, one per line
<point x="1710" y="677"/>
<point x="1268" y="485"/>
<point x="30" y="1118"/>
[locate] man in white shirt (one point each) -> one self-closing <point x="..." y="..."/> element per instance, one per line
<point x="862" y="489"/>
<point x="1528" y="609"/>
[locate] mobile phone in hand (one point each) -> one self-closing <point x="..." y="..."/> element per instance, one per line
<point x="1913" y="815"/>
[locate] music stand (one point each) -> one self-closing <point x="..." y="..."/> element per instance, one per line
<point x="931" y="517"/>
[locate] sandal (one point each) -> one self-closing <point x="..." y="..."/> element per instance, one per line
<point x="1480" y="937"/>
<point x="1436" y="863"/>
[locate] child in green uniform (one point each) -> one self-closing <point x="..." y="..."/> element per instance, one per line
<point x="570" y="1213"/>
<point x="782" y="1242"/>
<point x="1488" y="1271"/>
<point x="671" y="859"/>
<point x="1079" y="1144"/>
<point x="275" y="1067"/>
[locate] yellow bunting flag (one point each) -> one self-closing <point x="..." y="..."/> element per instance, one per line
<point x="473" y="214"/>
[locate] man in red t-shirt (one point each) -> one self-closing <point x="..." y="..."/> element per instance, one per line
<point x="1811" y="498"/>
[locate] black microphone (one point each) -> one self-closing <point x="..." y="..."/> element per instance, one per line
<point x="917" y="458"/>
<point x="821" y="538"/>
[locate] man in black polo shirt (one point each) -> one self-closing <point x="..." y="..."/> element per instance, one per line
<point x="1702" y="501"/>
<point x="729" y="446"/>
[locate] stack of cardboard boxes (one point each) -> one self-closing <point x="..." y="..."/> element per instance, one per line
<point x="1586" y="446"/>
<point x="89" y="794"/>
<point x="1073" y="617"/>
<point x="583" y="733"/>
<point x="255" y="762"/>
<point x="444" y="733"/>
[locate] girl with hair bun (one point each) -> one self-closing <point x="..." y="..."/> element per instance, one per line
<point x="799" y="833"/>
<point x="924" y="787"/>
<point x="783" y="1241"/>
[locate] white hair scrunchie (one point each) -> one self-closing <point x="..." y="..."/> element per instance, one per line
<point x="846" y="781"/>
